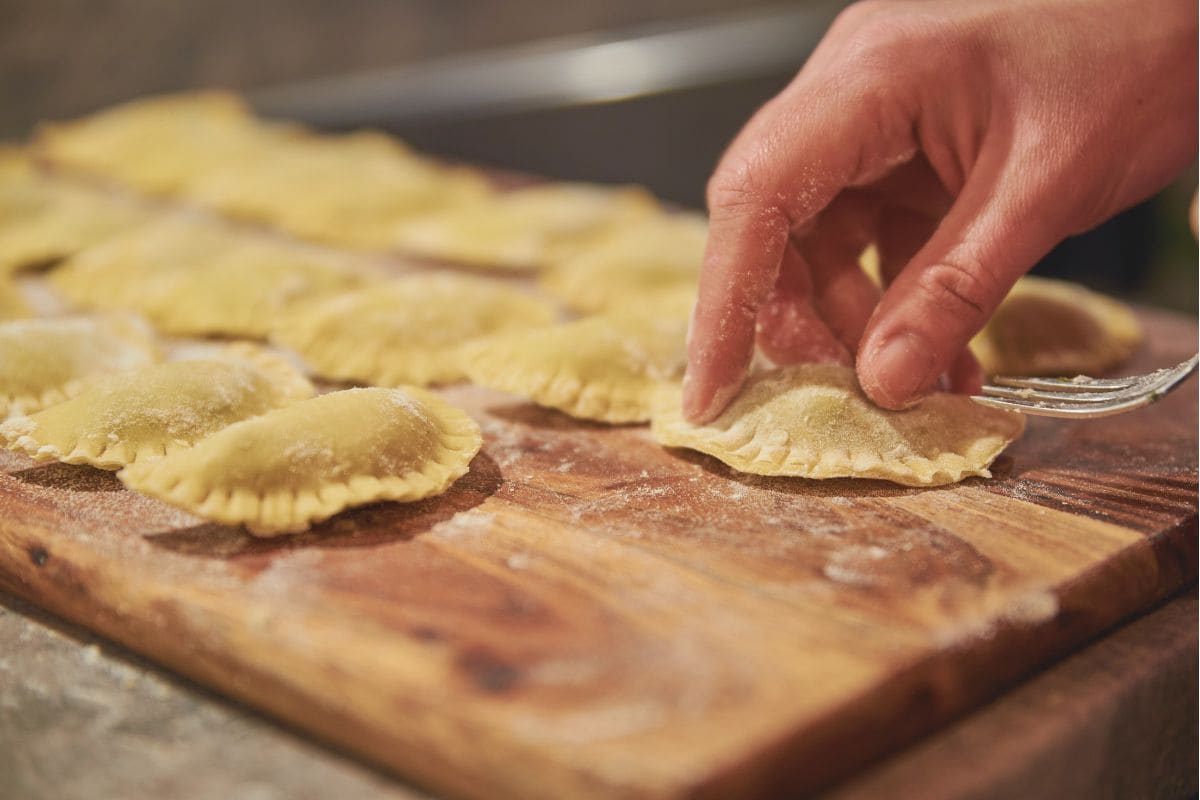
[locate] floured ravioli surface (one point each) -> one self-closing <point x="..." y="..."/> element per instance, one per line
<point x="524" y="228"/>
<point x="46" y="361"/>
<point x="606" y="368"/>
<point x="640" y="260"/>
<point x="347" y="190"/>
<point x="406" y="331"/>
<point x="150" y="412"/>
<point x="159" y="144"/>
<point x="198" y="278"/>
<point x="1049" y="327"/>
<point x="44" y="219"/>
<point x="813" y="421"/>
<point x="288" y="468"/>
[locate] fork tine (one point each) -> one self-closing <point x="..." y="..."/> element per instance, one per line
<point x="1035" y="395"/>
<point x="1077" y="384"/>
<point x="1168" y="379"/>
<point x="1078" y="398"/>
<point x="1068" y="410"/>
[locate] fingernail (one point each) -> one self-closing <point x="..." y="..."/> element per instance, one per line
<point x="693" y="404"/>
<point x="903" y="371"/>
<point x="704" y="402"/>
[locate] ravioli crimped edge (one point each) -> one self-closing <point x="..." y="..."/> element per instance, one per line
<point x="286" y="510"/>
<point x="769" y="452"/>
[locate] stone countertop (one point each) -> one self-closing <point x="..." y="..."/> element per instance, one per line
<point x="83" y="718"/>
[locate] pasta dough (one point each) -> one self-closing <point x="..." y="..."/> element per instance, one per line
<point x="44" y="219"/>
<point x="405" y="331"/>
<point x="1049" y="327"/>
<point x="156" y="410"/>
<point x="642" y="260"/>
<point x="46" y="361"/>
<point x="286" y="469"/>
<point x="605" y="368"/>
<point x="198" y="278"/>
<point x="813" y="421"/>
<point x="524" y="228"/>
<point x="159" y="144"/>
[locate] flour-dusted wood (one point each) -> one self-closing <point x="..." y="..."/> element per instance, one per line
<point x="586" y="614"/>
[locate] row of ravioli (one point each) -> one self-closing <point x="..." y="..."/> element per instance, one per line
<point x="601" y="250"/>
<point x="363" y="190"/>
<point x="615" y="255"/>
<point x="231" y="432"/>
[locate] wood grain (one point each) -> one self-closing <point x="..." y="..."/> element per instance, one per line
<point x="1117" y="720"/>
<point x="588" y="615"/>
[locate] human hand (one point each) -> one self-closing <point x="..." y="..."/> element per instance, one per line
<point x="964" y="140"/>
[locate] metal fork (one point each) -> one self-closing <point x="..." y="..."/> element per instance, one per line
<point x="1082" y="397"/>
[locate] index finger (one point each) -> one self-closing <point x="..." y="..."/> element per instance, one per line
<point x="788" y="164"/>
<point x="741" y="262"/>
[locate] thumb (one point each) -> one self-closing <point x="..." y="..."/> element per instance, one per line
<point x="996" y="230"/>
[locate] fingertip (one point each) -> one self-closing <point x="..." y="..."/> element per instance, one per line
<point x="704" y="399"/>
<point x="897" y="371"/>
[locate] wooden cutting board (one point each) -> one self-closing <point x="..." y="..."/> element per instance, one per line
<point x="589" y="615"/>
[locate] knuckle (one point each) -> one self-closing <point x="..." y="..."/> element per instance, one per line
<point x="961" y="286"/>
<point x="735" y="188"/>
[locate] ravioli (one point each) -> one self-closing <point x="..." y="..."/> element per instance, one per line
<point x="406" y="331"/>
<point x="1050" y="327"/>
<point x="153" y="411"/>
<point x="47" y="361"/>
<point x="605" y="368"/>
<point x="200" y="278"/>
<point x="282" y="471"/>
<point x="640" y="260"/>
<point x="12" y="302"/>
<point x="159" y="144"/>
<point x="522" y="229"/>
<point x="347" y="190"/>
<point x="44" y="219"/>
<point x="813" y="421"/>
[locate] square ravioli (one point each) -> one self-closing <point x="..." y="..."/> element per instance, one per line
<point x="347" y="190"/>
<point x="157" y="145"/>
<point x="406" y="331"/>
<point x="606" y="368"/>
<point x="199" y="277"/>
<point x="638" y="261"/>
<point x="44" y="218"/>
<point x="522" y="229"/>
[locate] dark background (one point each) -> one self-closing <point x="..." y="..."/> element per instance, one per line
<point x="60" y="58"/>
